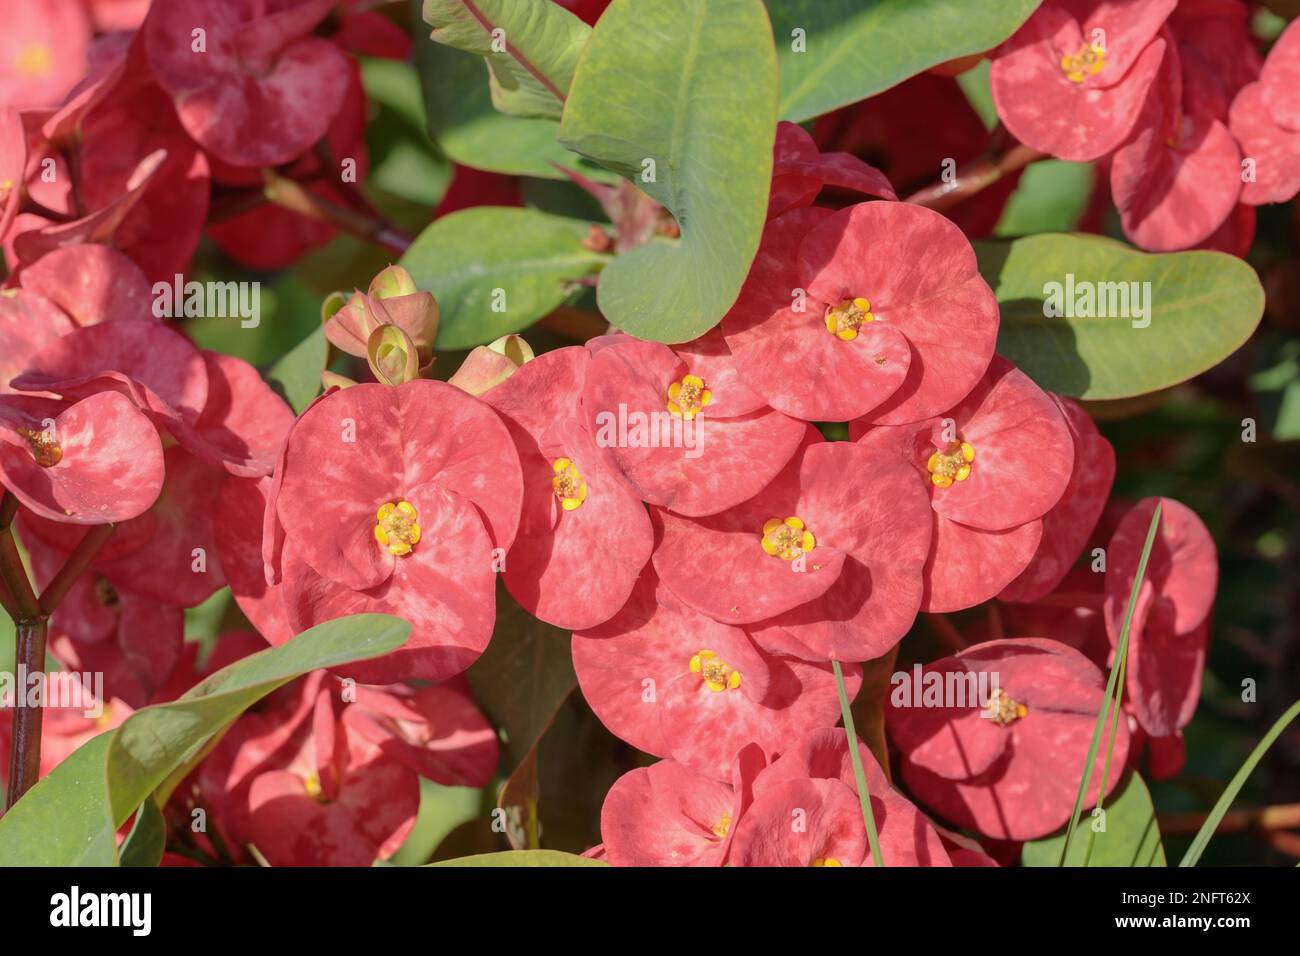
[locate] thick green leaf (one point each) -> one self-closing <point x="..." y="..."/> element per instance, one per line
<point x="1050" y="197"/>
<point x="1131" y="837"/>
<point x="852" y="49"/>
<point x="679" y="96"/>
<point x="523" y="858"/>
<point x="63" y="820"/>
<point x="496" y="270"/>
<point x="71" y="816"/>
<point x="297" y="375"/>
<point x="1201" y="306"/>
<point x="147" y="841"/>
<point x="531" y="48"/>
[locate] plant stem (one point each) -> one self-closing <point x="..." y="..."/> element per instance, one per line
<point x="25" y="748"/>
<point x="859" y="775"/>
<point x="975" y="177"/>
<point x="293" y="196"/>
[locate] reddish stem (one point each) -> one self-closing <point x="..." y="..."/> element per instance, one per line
<point x="975" y="177"/>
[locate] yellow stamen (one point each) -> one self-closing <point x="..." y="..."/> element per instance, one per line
<point x="396" y="527"/>
<point x="826" y="861"/>
<point x="687" y="398"/>
<point x="951" y="465"/>
<point x="722" y="826"/>
<point x="1003" y="710"/>
<point x="715" y="672"/>
<point x="45" y="450"/>
<point x="311" y="783"/>
<point x="33" y="60"/>
<point x="844" y="320"/>
<point x="1087" y="62"/>
<point x="787" y="538"/>
<point x="568" y="484"/>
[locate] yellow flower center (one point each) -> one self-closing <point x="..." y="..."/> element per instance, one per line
<point x="568" y="484"/>
<point x="1003" y="710"/>
<point x="6" y="187"/>
<point x="45" y="450"/>
<point x="722" y="827"/>
<point x="952" y="465"/>
<point x="787" y="538"/>
<point x="396" y="527"/>
<point x="311" y="783"/>
<point x="33" y="60"/>
<point x="1087" y="62"/>
<point x="826" y="861"/>
<point x="687" y="398"/>
<point x="844" y="320"/>
<point x="717" y="676"/>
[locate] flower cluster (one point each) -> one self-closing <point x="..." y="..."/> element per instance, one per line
<point x="1193" y="128"/>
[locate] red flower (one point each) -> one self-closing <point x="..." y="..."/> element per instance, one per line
<point x="666" y="815"/>
<point x="1266" y="122"/>
<point x="993" y="466"/>
<point x="1071" y="81"/>
<point x="827" y="556"/>
<point x="393" y="500"/>
<point x="584" y="536"/>
<point x="1070" y="522"/>
<point x="1013" y="774"/>
<point x="674" y="683"/>
<point x="42" y="52"/>
<point x="876" y="309"/>
<point x="800" y="171"/>
<point x="262" y="90"/>
<point x="682" y="436"/>
<point x="1170" y="630"/>
<point x="806" y="812"/>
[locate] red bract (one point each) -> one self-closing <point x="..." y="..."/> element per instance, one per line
<point x="1170" y="629"/>
<point x="241" y="510"/>
<point x="42" y="52"/>
<point x="132" y="639"/>
<point x="28" y="323"/>
<point x="1004" y="759"/>
<point x="1067" y="526"/>
<point x="1265" y="121"/>
<point x="94" y="461"/>
<point x="909" y="131"/>
<point x="677" y="684"/>
<point x="666" y="815"/>
<point x="262" y="90"/>
<point x="800" y="171"/>
<point x="827" y="556"/>
<point x="91" y="284"/>
<point x="1178" y="178"/>
<point x="394" y="500"/>
<point x="680" y="437"/>
<point x="806" y="812"/>
<point x="876" y="309"/>
<point x="993" y="466"/>
<point x="13" y="165"/>
<point x="1072" y="80"/>
<point x="584" y="535"/>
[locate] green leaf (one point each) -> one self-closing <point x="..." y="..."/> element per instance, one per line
<point x="523" y="858"/>
<point x="859" y="775"/>
<point x="856" y="48"/>
<point x="531" y="48"/>
<point x="531" y="257"/>
<point x="679" y="96"/>
<point x="147" y="841"/>
<point x="71" y="816"/>
<point x="1201" y="306"/>
<point x="63" y="820"/>
<point x="1202" y="838"/>
<point x="1131" y="837"/>
<point x="1050" y="197"/>
<point x="296" y="376"/>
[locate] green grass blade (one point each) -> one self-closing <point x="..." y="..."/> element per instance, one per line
<point x="1121" y="655"/>
<point x="1211" y="823"/>
<point x="864" y="796"/>
<point x="1110" y="752"/>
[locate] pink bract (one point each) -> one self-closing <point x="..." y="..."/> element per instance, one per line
<point x="1266" y="122"/>
<point x="1013" y="775"/>
<point x="659" y="675"/>
<point x="43" y="51"/>
<point x="718" y="457"/>
<point x="264" y="90"/>
<point x="371" y="447"/>
<point x="1050" y="92"/>
<point x="852" y="596"/>
<point x="800" y="171"/>
<point x="573" y="566"/>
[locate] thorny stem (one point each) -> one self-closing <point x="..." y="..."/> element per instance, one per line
<point x="291" y="195"/>
<point x="30" y="615"/>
